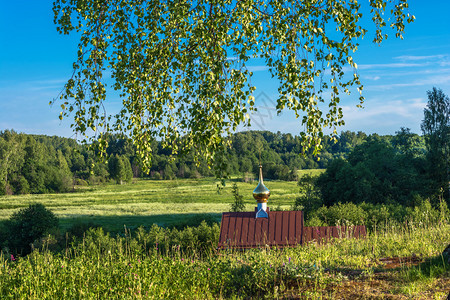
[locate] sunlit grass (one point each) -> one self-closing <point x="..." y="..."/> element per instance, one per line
<point x="118" y="268"/>
<point x="144" y="202"/>
<point x="312" y="172"/>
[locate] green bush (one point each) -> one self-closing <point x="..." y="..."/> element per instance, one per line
<point x="238" y="204"/>
<point x="79" y="228"/>
<point x="310" y="198"/>
<point x="425" y="214"/>
<point x="28" y="225"/>
<point x="199" y="239"/>
<point x="341" y="213"/>
<point x="379" y="216"/>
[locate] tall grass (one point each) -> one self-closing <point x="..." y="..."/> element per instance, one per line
<point x="146" y="265"/>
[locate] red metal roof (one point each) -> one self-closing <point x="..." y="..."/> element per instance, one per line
<point x="243" y="230"/>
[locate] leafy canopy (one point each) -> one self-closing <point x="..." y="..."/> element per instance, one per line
<point x="436" y="129"/>
<point x="181" y="67"/>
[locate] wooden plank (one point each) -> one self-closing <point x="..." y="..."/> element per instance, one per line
<point x="313" y="233"/>
<point x="265" y="231"/>
<point x="323" y="233"/>
<point x="307" y="234"/>
<point x="299" y="228"/>
<point x="244" y="234"/>
<point x="238" y="229"/>
<point x="357" y="230"/>
<point x="271" y="231"/>
<point x="258" y="231"/>
<point x="285" y="227"/>
<point x="292" y="237"/>
<point x="231" y="237"/>
<point x="334" y="232"/>
<point x="364" y="231"/>
<point x="316" y="233"/>
<point x="278" y="228"/>
<point x="251" y="231"/>
<point x="224" y="229"/>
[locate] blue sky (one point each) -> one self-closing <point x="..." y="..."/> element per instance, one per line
<point x="35" y="62"/>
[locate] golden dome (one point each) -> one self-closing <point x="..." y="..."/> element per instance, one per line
<point x="261" y="193"/>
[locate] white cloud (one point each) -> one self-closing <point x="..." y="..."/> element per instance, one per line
<point x="374" y="78"/>
<point x="391" y="65"/>
<point x="440" y="59"/>
<point x="385" y="115"/>
<point x="257" y="68"/>
<point x="427" y="81"/>
<point x="420" y="57"/>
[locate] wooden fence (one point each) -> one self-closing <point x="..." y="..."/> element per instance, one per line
<point x="322" y="234"/>
<point x="242" y="230"/>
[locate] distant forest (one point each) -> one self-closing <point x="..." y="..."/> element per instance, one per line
<point x="40" y="164"/>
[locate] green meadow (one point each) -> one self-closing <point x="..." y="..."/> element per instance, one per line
<point x="144" y="202"/>
<point x="145" y="261"/>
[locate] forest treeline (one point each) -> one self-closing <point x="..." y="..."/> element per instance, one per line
<point x="42" y="164"/>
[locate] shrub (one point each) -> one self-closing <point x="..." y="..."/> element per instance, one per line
<point x="238" y="204"/>
<point x="21" y="186"/>
<point x="315" y="221"/>
<point x="79" y="228"/>
<point x="310" y="198"/>
<point x="201" y="239"/>
<point x="377" y="215"/>
<point x="28" y="225"/>
<point x="425" y="214"/>
<point x="341" y="213"/>
<point x="156" y="176"/>
<point x="81" y="182"/>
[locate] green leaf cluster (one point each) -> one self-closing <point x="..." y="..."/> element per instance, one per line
<point x="181" y="68"/>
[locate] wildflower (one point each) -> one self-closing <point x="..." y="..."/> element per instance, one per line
<point x="289" y="259"/>
<point x="209" y="269"/>
<point x="12" y="258"/>
<point x="182" y="259"/>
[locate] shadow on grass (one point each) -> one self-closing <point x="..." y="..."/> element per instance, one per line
<point x="409" y="268"/>
<point x="115" y="224"/>
<point x="431" y="267"/>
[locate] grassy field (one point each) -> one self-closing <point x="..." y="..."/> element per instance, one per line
<point x="403" y="261"/>
<point x="145" y="202"/>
